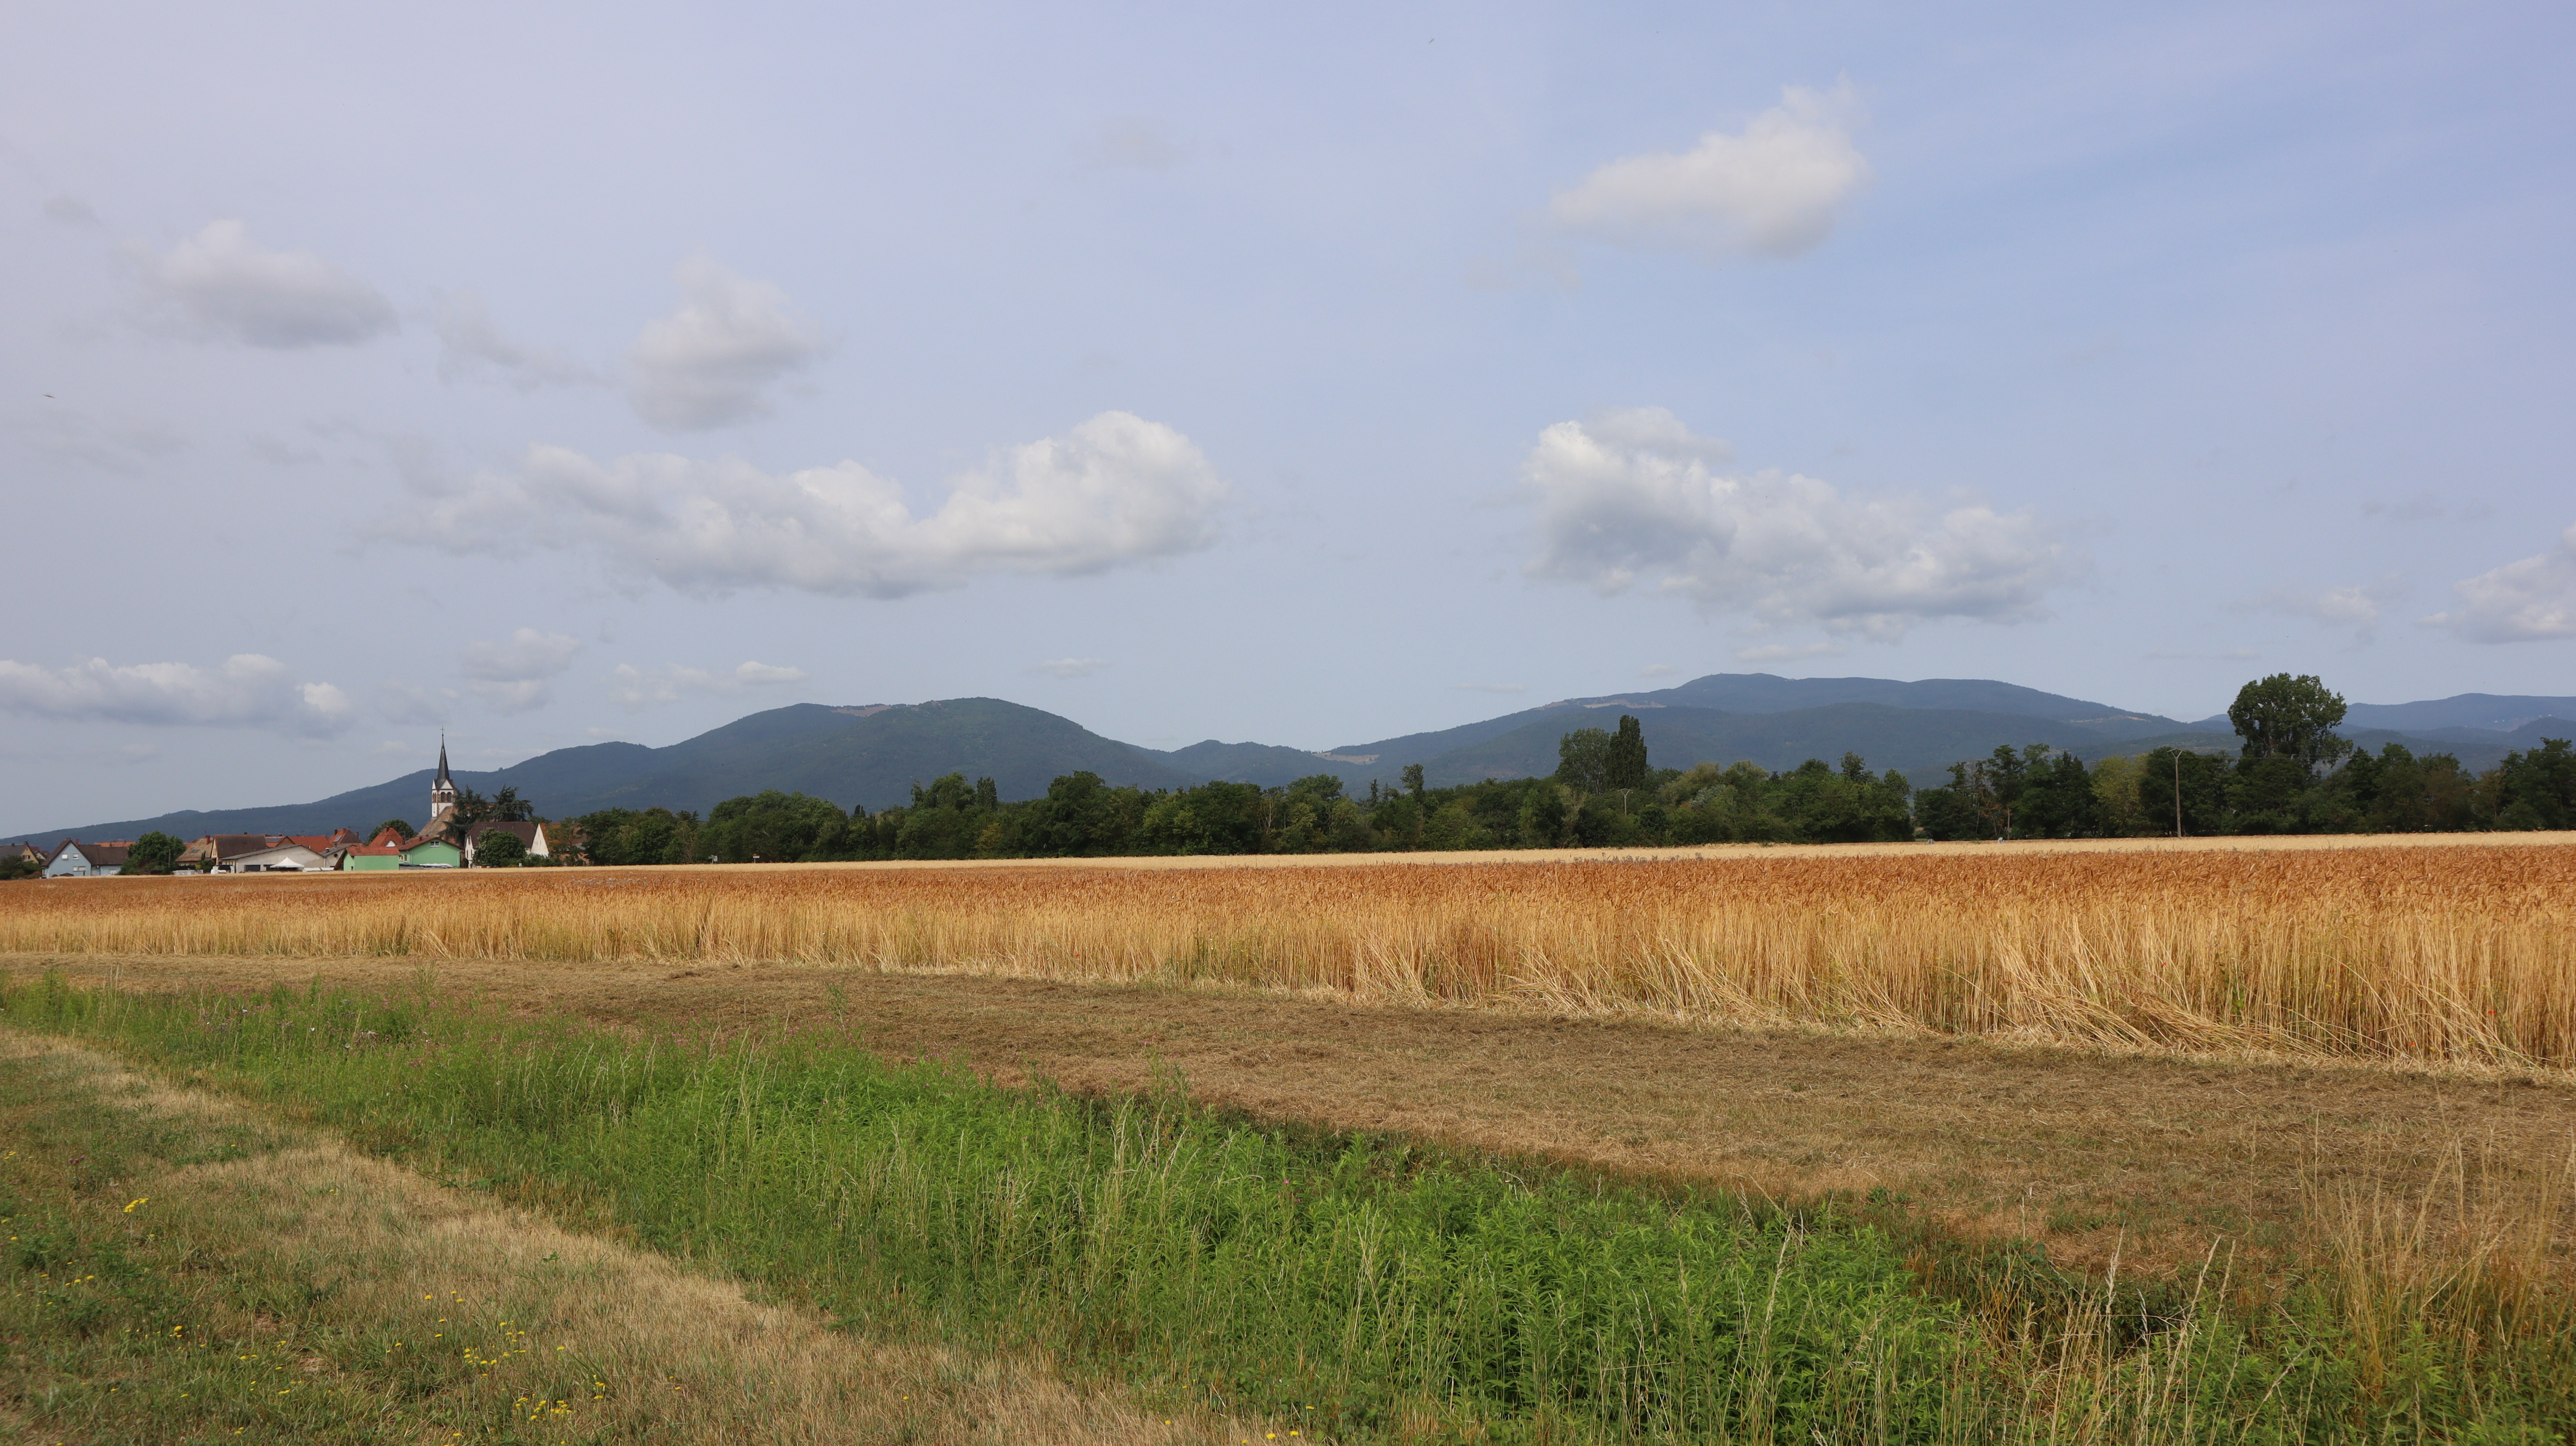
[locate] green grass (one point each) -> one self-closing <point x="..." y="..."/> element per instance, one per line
<point x="1375" y="1291"/>
<point x="117" y="1324"/>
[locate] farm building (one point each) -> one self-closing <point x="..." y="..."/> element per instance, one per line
<point x="286" y="856"/>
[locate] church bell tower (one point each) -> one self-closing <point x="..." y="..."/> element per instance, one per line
<point x="442" y="789"/>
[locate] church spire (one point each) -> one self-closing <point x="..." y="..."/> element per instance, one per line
<point x="442" y="789"/>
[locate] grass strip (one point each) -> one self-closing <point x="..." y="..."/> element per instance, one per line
<point x="1355" y="1287"/>
<point x="183" y="1269"/>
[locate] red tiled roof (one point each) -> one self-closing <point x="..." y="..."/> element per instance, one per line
<point x="375" y="851"/>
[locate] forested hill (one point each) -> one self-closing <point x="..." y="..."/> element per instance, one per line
<point x="871" y="756"/>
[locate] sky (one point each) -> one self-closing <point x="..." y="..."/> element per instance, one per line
<point x="1303" y="375"/>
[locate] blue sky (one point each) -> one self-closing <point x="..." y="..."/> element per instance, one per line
<point x="1199" y="371"/>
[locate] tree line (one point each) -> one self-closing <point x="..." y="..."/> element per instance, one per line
<point x="2291" y="774"/>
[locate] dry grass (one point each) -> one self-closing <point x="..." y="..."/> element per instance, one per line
<point x="567" y="1335"/>
<point x="2443" y="954"/>
<point x="2151" y="1155"/>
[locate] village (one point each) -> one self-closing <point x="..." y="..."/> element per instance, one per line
<point x="454" y="837"/>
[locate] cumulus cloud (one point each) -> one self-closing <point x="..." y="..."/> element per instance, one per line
<point x="512" y="675"/>
<point x="1116" y="489"/>
<point x="2527" y="600"/>
<point x="1632" y="499"/>
<point x="712" y="361"/>
<point x="1070" y="667"/>
<point x="471" y="343"/>
<point x="221" y="285"/>
<point x="2356" y="607"/>
<point x="248" y="691"/>
<point x="1771" y="191"/>
<point x="633" y="687"/>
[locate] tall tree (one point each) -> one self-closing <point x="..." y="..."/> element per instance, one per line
<point x="1623" y="760"/>
<point x="2289" y="717"/>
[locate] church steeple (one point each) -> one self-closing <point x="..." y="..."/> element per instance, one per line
<point x="442" y="789"/>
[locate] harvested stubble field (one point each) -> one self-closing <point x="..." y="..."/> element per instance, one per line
<point x="2338" y="1076"/>
<point x="2443" y="956"/>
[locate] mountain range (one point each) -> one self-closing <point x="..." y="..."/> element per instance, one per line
<point x="873" y="754"/>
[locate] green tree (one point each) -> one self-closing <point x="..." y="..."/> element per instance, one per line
<point x="401" y="826"/>
<point x="1543" y="814"/>
<point x="2289" y="717"/>
<point x="508" y="807"/>
<point x="2536" y="788"/>
<point x="499" y="849"/>
<point x="1583" y="760"/>
<point x="769" y="827"/>
<point x="1413" y="781"/>
<point x="1623" y="760"/>
<point x="469" y="809"/>
<point x="2176" y="786"/>
<point x="154" y="853"/>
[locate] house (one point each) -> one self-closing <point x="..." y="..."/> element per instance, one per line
<point x="369" y="858"/>
<point x="286" y="856"/>
<point x="384" y="851"/>
<point x="531" y="834"/>
<point x="73" y="859"/>
<point x="431" y="853"/>
<point x="28" y="853"/>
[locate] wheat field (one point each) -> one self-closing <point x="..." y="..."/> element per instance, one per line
<point x="2431" y="954"/>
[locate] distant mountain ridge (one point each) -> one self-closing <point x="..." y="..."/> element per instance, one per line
<point x="872" y="754"/>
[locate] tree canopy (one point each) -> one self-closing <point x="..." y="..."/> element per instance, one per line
<point x="2289" y="717"/>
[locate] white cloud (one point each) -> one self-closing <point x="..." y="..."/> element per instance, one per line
<point x="633" y="687"/>
<point x="711" y="361"/>
<point x="221" y="285"/>
<point x="71" y="210"/>
<point x="1633" y="499"/>
<point x="2357" y="606"/>
<point x="1117" y="489"/>
<point x="471" y="342"/>
<point x="2526" y="600"/>
<point x="1070" y="667"/>
<point x="512" y="675"/>
<point x="248" y="691"/>
<point x="1771" y="191"/>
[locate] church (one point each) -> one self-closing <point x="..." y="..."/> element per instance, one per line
<point x="438" y="846"/>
